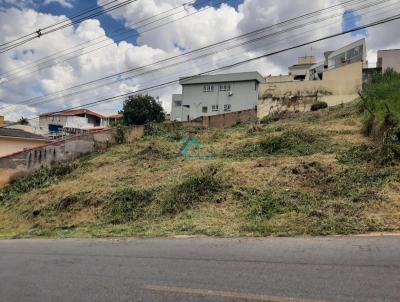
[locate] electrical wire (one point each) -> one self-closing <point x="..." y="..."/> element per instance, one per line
<point x="41" y="32"/>
<point x="40" y="98"/>
<point x="236" y="64"/>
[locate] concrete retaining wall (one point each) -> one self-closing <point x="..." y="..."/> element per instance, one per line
<point x="225" y="120"/>
<point x="65" y="150"/>
<point x="340" y="85"/>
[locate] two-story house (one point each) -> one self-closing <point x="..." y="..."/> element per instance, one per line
<point x="215" y="94"/>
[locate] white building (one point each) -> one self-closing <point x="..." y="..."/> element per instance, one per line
<point x="72" y="121"/>
<point x="215" y="94"/>
<point x="389" y="58"/>
<point x="349" y="54"/>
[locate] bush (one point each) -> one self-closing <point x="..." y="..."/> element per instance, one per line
<point x="197" y="188"/>
<point x="380" y="104"/>
<point x="120" y="137"/>
<point x="126" y="205"/>
<point x="39" y="179"/>
<point x="274" y="117"/>
<point x="319" y="106"/>
<point x="142" y="109"/>
<point x="294" y="142"/>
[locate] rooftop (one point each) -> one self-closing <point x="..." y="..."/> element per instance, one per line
<point x="16" y="133"/>
<point x="74" y="113"/>
<point x="223" y="78"/>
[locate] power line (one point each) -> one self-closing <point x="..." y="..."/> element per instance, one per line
<point x="101" y="40"/>
<point x="41" y="32"/>
<point x="26" y="102"/>
<point x="372" y="24"/>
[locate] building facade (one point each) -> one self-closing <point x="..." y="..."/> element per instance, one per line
<point x="389" y="59"/>
<point x="74" y="120"/>
<point x="216" y="94"/>
<point x="15" y="140"/>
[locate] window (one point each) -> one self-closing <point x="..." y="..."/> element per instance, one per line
<point x="178" y="103"/>
<point x="225" y="87"/>
<point x="227" y="107"/>
<point x="215" y="108"/>
<point x="205" y="109"/>
<point x="208" y="88"/>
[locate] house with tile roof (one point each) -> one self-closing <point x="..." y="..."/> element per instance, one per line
<point x="16" y="140"/>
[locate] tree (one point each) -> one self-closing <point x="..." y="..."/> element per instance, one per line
<point x="142" y="109"/>
<point x="23" y="121"/>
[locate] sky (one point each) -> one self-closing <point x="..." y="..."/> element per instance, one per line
<point x="120" y="40"/>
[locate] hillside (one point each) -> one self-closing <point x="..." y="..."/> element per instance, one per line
<point x="304" y="174"/>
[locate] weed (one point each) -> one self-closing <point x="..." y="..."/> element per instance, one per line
<point x="126" y="205"/>
<point x="196" y="188"/>
<point x="384" y="155"/>
<point x="39" y="179"/>
<point x="295" y="143"/>
<point x="319" y="106"/>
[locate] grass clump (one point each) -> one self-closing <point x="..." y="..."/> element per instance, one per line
<point x="294" y="143"/>
<point x="384" y="155"/>
<point x="319" y="106"/>
<point x="298" y="213"/>
<point x="126" y="205"/>
<point x="195" y="189"/>
<point x="39" y="179"/>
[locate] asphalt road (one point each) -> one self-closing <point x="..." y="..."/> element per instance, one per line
<point x="277" y="270"/>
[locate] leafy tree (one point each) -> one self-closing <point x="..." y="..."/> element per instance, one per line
<point x="23" y="121"/>
<point x="142" y="109"/>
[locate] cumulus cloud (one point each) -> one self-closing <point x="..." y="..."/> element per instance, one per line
<point x="65" y="3"/>
<point x="201" y="27"/>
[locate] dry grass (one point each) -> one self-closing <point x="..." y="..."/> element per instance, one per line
<point x="312" y="194"/>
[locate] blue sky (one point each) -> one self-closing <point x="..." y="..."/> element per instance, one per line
<point x="352" y="20"/>
<point x="109" y="24"/>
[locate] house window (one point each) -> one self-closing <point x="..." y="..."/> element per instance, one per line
<point x="225" y="87"/>
<point x="227" y="107"/>
<point x="208" y="88"/>
<point x="205" y="109"/>
<point x="178" y="103"/>
<point x="215" y="108"/>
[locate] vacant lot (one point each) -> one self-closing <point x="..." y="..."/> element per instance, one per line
<point x="306" y="174"/>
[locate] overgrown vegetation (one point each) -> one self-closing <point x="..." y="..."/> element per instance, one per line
<point x="196" y="188"/>
<point x="42" y="178"/>
<point x="310" y="174"/>
<point x="126" y="205"/>
<point x="142" y="109"/>
<point x="319" y="106"/>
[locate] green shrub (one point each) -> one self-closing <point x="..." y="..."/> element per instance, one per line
<point x="196" y="188"/>
<point x="319" y="106"/>
<point x="274" y="117"/>
<point x="39" y="179"/>
<point x="271" y="203"/>
<point x="126" y="205"/>
<point x="386" y="154"/>
<point x="120" y="137"/>
<point x="295" y="143"/>
<point x="380" y="103"/>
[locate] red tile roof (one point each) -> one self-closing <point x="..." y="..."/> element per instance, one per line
<point x="74" y="113"/>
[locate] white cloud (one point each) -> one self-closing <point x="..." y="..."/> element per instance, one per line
<point x="208" y="26"/>
<point x="65" y="3"/>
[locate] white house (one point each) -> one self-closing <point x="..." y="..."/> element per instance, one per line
<point x="215" y="94"/>
<point x="74" y="120"/>
<point x="389" y="58"/>
<point x="349" y="54"/>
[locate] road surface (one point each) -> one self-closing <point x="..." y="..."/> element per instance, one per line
<point x="275" y="269"/>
